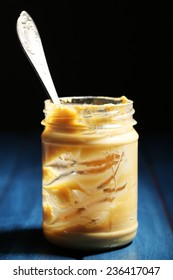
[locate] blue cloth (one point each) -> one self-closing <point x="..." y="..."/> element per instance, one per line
<point x="21" y="234"/>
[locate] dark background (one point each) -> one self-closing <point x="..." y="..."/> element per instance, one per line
<point x="93" y="48"/>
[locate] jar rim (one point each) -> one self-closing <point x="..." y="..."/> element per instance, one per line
<point x="85" y="112"/>
<point x="95" y="100"/>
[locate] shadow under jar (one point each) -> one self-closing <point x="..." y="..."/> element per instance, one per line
<point x="90" y="172"/>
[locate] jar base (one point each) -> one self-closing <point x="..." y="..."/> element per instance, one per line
<point x="91" y="241"/>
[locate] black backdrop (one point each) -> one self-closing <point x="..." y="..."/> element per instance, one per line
<point x="93" y="48"/>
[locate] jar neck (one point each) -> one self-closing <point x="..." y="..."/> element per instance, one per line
<point x="89" y="113"/>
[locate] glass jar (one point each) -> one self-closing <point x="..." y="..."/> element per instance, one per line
<point x="90" y="172"/>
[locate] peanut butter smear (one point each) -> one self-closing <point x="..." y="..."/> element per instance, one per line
<point x="89" y="172"/>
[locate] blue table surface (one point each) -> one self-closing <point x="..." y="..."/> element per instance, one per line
<point x="21" y="236"/>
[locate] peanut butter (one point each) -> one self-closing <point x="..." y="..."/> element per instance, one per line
<point x="89" y="172"/>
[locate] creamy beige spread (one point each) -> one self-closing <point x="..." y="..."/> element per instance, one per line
<point x="89" y="175"/>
